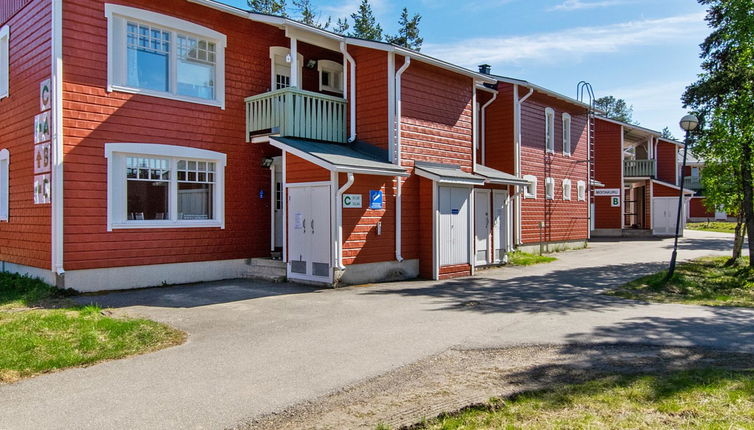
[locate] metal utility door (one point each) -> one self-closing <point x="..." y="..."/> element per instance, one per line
<point x="482" y="226"/>
<point x="664" y="216"/>
<point x="453" y="205"/>
<point x="309" y="233"/>
<point x="501" y="224"/>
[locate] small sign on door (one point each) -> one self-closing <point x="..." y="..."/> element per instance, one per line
<point x="375" y="199"/>
<point x="615" y="202"/>
<point x="352" y="201"/>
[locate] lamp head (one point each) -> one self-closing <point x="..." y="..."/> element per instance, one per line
<point x="689" y="122"/>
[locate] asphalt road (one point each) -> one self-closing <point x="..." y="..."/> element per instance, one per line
<point x="255" y="348"/>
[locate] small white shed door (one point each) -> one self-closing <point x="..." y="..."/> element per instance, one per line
<point x="482" y="226"/>
<point x="501" y="224"/>
<point x="309" y="233"/>
<point x="664" y="216"/>
<point x="453" y="205"/>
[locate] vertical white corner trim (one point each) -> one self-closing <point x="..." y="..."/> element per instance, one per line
<point x="391" y="106"/>
<point x="4" y="61"/>
<point x="517" y="136"/>
<point x="339" y="216"/>
<point x="470" y="218"/>
<point x="273" y="196"/>
<point x="57" y="137"/>
<point x="334" y="231"/>
<point x="284" y="187"/>
<point x="398" y="115"/>
<point x="352" y="98"/>
<point x="622" y="180"/>
<point x="295" y="75"/>
<point x="435" y="233"/>
<point x="474" y="128"/>
<point x="4" y="185"/>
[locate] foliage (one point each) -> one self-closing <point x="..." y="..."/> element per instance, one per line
<point x="365" y="25"/>
<point x="23" y="291"/>
<point x="667" y="134"/>
<point x="520" y="258"/>
<point x="706" y="281"/>
<point x="341" y="26"/>
<point x="715" y="226"/>
<point x="408" y="33"/>
<point x="616" y="109"/>
<point x="269" y="7"/>
<point x="700" y="398"/>
<point x="309" y="16"/>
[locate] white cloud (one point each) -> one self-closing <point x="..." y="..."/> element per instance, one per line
<point x="345" y="8"/>
<point x="569" y="5"/>
<point x="570" y="44"/>
<point x="656" y="104"/>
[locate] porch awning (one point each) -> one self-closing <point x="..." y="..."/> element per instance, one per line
<point x="447" y="174"/>
<point x="498" y="177"/>
<point x="597" y="184"/>
<point x="353" y="158"/>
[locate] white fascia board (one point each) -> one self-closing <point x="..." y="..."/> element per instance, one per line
<point x="444" y="180"/>
<point x="543" y="90"/>
<point x="164" y="150"/>
<point x="685" y="190"/>
<point x="630" y="126"/>
<point x="368" y="171"/>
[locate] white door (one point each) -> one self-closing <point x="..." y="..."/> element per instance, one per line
<point x="482" y="226"/>
<point x="309" y="233"/>
<point x="453" y="205"/>
<point x="502" y="228"/>
<point x="664" y="216"/>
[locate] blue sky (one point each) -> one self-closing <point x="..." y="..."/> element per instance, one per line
<point x="645" y="51"/>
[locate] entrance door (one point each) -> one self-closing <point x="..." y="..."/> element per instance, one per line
<point x="309" y="233"/>
<point x="501" y="224"/>
<point x="664" y="216"/>
<point x="277" y="202"/>
<point x="482" y="226"/>
<point x="453" y="205"/>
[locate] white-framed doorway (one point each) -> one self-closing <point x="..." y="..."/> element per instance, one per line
<point x="482" y="227"/>
<point x="502" y="228"/>
<point x="454" y="237"/>
<point x="309" y="234"/>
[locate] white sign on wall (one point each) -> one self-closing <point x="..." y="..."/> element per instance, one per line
<point x="45" y="95"/>
<point x="42" y="127"/>
<point x="615" y="202"/>
<point x="42" y="189"/>
<point x="352" y="201"/>
<point x="609" y="192"/>
<point x="42" y="158"/>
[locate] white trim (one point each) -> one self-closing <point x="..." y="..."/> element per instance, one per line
<point x="567" y="183"/>
<point x="336" y="69"/>
<point x="273" y="201"/>
<point x="4" y="61"/>
<point x="435" y="232"/>
<point x="441" y="180"/>
<point x="339" y="215"/>
<point x="56" y="73"/>
<point x="474" y="127"/>
<point x="4" y="185"/>
<point x="579" y="195"/>
<point x="550" y="130"/>
<point x="391" y="107"/>
<point x="333" y="167"/>
<point x="549" y="182"/>
<point x="309" y="184"/>
<point x="484" y="122"/>
<point x="285" y="209"/>
<point x="567" y="135"/>
<point x="533" y="184"/>
<point x="164" y="151"/>
<point x="283" y="52"/>
<point x="113" y="11"/>
<point x="352" y="97"/>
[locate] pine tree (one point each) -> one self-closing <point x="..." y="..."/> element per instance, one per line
<point x="308" y="15"/>
<point x="616" y="109"/>
<point x="269" y="7"/>
<point x="667" y="134"/>
<point x="408" y="34"/>
<point x="341" y="26"/>
<point x="365" y="25"/>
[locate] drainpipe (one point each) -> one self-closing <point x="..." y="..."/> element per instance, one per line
<point x="399" y="180"/>
<point x="517" y="151"/>
<point x="484" y="134"/>
<point x="474" y="127"/>
<point x="57" y="141"/>
<point x="339" y="218"/>
<point x="344" y="51"/>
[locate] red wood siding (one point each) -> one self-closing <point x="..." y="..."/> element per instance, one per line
<point x="666" y="162"/>
<point x="93" y="117"/>
<point x="566" y="220"/>
<point x="371" y="95"/>
<point x="299" y="170"/>
<point x="698" y="210"/>
<point x="661" y="190"/>
<point x="499" y="141"/>
<point x="361" y="243"/>
<point x="423" y="227"/>
<point x="456" y="271"/>
<point x="25" y="239"/>
<point x="608" y="165"/>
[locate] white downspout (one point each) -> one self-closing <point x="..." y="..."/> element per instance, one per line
<point x="57" y="137"/>
<point x="399" y="180"/>
<point x="517" y="152"/>
<point x="339" y="217"/>
<point x="474" y="129"/>
<point x="344" y="51"/>
<point x="484" y="134"/>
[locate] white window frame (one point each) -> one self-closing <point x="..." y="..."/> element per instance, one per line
<point x="549" y="130"/>
<point x="581" y="190"/>
<point x="4" y="185"/>
<point x="530" y="191"/>
<point x="117" y="16"/>
<point x="334" y="68"/>
<point x="550" y="188"/>
<point x="566" y="134"/>
<point x="4" y="62"/>
<point x="116" y="154"/>
<point x="278" y="55"/>
<point x="567" y="187"/>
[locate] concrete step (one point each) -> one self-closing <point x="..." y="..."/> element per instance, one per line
<point x="636" y="232"/>
<point x="267" y="269"/>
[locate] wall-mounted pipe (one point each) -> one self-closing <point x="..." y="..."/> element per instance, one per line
<point x="399" y="180"/>
<point x="57" y="139"/>
<point x="517" y="151"/>
<point x="352" y="99"/>
<point x="484" y="134"/>
<point x="339" y="218"/>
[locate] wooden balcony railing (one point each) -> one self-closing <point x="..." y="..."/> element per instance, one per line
<point x="638" y="168"/>
<point x="692" y="183"/>
<point x="291" y="112"/>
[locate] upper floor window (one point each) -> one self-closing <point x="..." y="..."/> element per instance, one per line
<point x="280" y="58"/>
<point x="158" y="55"/>
<point x="566" y="134"/>
<point x="4" y="184"/>
<point x="549" y="130"/>
<point x="530" y="192"/>
<point x="4" y="61"/>
<point x="330" y="76"/>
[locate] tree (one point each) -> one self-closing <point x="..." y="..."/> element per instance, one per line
<point x="269" y="7"/>
<point x="341" y="26"/>
<point x="723" y="98"/>
<point x="309" y="16"/>
<point x="365" y="25"/>
<point x="408" y="33"/>
<point x="667" y="134"/>
<point x="616" y="109"/>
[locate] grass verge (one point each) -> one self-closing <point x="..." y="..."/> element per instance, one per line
<point x="716" y="226"/>
<point x="705" y="281"/>
<point x="519" y="258"/>
<point x="704" y="398"/>
<point x="42" y="331"/>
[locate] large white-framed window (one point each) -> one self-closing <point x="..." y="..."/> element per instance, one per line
<point x="567" y="189"/>
<point x="581" y="190"/>
<point x="280" y="58"/>
<point x="4" y="184"/>
<point x="530" y="191"/>
<point x="162" y="56"/>
<point x="4" y="61"/>
<point x="330" y="76"/>
<point x="164" y="186"/>
<point x="549" y="130"/>
<point x="549" y="188"/>
<point x="566" y="134"/>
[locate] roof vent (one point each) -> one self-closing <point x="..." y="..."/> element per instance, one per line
<point x="485" y="68"/>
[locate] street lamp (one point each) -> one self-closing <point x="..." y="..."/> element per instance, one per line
<point x="688" y="123"/>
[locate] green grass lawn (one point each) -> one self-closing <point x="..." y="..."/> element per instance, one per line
<point x="705" y="281"/>
<point x="707" y="398"/>
<point x="41" y="331"/>
<point x="716" y="226"/>
<point x="519" y="258"/>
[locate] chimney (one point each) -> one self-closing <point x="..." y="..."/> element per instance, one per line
<point x="485" y="69"/>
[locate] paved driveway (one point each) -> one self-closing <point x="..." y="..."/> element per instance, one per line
<point x="255" y="348"/>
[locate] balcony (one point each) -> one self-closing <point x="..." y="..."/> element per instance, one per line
<point x="638" y="168"/>
<point x="692" y="183"/>
<point x="291" y="112"/>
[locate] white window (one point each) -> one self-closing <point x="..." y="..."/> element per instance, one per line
<point x="566" y="134"/>
<point x="330" y="76"/>
<point x="581" y="190"/>
<point x="566" y="189"/>
<point x="152" y="186"/>
<point x="158" y="55"/>
<point x="4" y="184"/>
<point x="530" y="192"/>
<point x="280" y="59"/>
<point x="549" y="130"/>
<point x="549" y="188"/>
<point x="4" y="61"/>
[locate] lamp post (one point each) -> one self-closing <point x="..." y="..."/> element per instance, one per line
<point x="688" y="123"/>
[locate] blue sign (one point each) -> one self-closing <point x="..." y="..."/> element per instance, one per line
<point x="375" y="199"/>
<point x="454" y="211"/>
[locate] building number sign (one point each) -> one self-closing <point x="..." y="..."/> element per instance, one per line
<point x="42" y="147"/>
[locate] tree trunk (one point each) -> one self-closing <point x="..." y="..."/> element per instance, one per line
<point x="748" y="202"/>
<point x="738" y="242"/>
